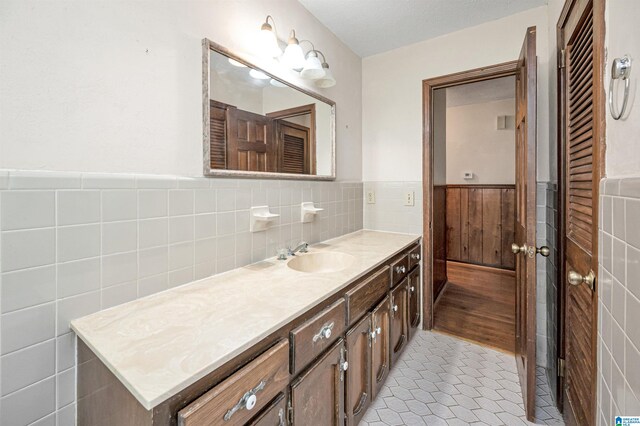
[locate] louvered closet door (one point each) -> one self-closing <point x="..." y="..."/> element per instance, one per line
<point x="581" y="104"/>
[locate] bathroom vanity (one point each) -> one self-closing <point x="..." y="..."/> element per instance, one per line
<point x="306" y="341"/>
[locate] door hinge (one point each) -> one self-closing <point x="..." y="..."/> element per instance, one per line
<point x="562" y="59"/>
<point x="560" y="367"/>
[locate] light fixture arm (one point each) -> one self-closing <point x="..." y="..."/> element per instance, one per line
<point x="273" y="21"/>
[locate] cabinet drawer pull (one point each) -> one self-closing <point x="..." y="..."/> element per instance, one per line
<point x="415" y="256"/>
<point x="400" y="269"/>
<point x="248" y="401"/>
<point x="281" y="417"/>
<point x="324" y="333"/>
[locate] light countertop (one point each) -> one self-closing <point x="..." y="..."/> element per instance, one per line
<point x="160" y="344"/>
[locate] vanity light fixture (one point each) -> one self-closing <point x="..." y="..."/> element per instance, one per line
<point x="293" y="57"/>
<point x="313" y="67"/>
<point x="328" y="80"/>
<point x="258" y="75"/>
<point x="236" y="63"/>
<point x="268" y="39"/>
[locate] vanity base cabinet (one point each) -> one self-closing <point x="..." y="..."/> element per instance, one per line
<point x="399" y="325"/>
<point x="317" y="395"/>
<point x="379" y="346"/>
<point x="358" y="374"/>
<point x="243" y="394"/>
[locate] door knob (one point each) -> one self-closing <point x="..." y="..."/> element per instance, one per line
<point x="515" y="248"/>
<point x="575" y="278"/>
<point x="544" y="251"/>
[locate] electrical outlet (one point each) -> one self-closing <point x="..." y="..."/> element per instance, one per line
<point x="409" y="198"/>
<point x="371" y="197"/>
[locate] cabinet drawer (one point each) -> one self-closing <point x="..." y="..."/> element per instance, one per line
<point x="274" y="415"/>
<point x="365" y="295"/>
<point x="414" y="256"/>
<point x="311" y="338"/>
<point x="243" y="394"/>
<point x="399" y="269"/>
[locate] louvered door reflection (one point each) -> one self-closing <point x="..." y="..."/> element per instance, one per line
<point x="218" y="135"/>
<point x="295" y="156"/>
<point x="582" y="104"/>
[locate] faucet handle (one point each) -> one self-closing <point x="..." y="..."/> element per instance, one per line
<point x="305" y="247"/>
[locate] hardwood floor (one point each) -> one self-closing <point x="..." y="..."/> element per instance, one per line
<point x="478" y="304"/>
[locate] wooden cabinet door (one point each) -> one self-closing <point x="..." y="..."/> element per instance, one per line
<point x="380" y="346"/>
<point x="413" y="311"/>
<point x="399" y="324"/>
<point x="317" y="396"/>
<point x="358" y="375"/>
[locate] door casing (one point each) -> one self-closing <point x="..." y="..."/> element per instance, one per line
<point x="428" y="86"/>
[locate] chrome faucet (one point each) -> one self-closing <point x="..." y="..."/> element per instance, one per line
<point x="302" y="248"/>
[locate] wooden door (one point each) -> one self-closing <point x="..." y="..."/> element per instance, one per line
<point x="380" y="346"/>
<point x="399" y="326"/>
<point x="251" y="144"/>
<point x="317" y="396"/>
<point x="525" y="223"/>
<point x="358" y="375"/>
<point x="294" y="148"/>
<point x="580" y="37"/>
<point x="413" y="308"/>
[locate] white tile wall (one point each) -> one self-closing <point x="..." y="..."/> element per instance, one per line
<point x="389" y="212"/>
<point x="619" y="300"/>
<point x="72" y="244"/>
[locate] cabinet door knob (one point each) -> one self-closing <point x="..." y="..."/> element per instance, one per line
<point x="394" y="308"/>
<point x="415" y="256"/>
<point x="344" y="365"/>
<point x="412" y="289"/>
<point x="324" y="333"/>
<point x="400" y="269"/>
<point x="247" y="402"/>
<point x="378" y="330"/>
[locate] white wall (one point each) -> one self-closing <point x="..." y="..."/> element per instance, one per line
<point x="474" y="144"/>
<point x="622" y="37"/>
<point x="116" y="86"/>
<point x="392" y="90"/>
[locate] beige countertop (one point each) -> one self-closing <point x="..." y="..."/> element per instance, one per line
<point x="160" y="344"/>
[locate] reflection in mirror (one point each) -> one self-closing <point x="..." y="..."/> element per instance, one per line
<point x="258" y="124"/>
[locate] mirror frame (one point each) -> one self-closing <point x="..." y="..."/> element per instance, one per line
<point x="207" y="47"/>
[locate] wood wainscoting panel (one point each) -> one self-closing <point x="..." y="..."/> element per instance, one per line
<point x="480" y="224"/>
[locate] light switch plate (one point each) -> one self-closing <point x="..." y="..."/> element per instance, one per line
<point x="467" y="175"/>
<point x="371" y="197"/>
<point x="409" y="198"/>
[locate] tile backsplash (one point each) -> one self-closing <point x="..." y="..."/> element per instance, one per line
<point x="75" y="243"/>
<point x="619" y="300"/>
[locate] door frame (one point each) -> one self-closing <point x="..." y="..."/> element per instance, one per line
<point x="490" y="72"/>
<point x="599" y="117"/>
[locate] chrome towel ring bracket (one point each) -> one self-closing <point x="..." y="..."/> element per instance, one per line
<point x="620" y="69"/>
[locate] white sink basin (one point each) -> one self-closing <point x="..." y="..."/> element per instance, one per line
<point x="321" y="262"/>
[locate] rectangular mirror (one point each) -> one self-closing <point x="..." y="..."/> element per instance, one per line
<point x="258" y="125"/>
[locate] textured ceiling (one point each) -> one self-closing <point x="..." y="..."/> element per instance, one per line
<point x="374" y="26"/>
<point x="482" y="91"/>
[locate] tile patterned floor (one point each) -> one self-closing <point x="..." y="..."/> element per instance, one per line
<point x="442" y="380"/>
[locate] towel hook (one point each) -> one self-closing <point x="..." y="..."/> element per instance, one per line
<point x="620" y="69"/>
